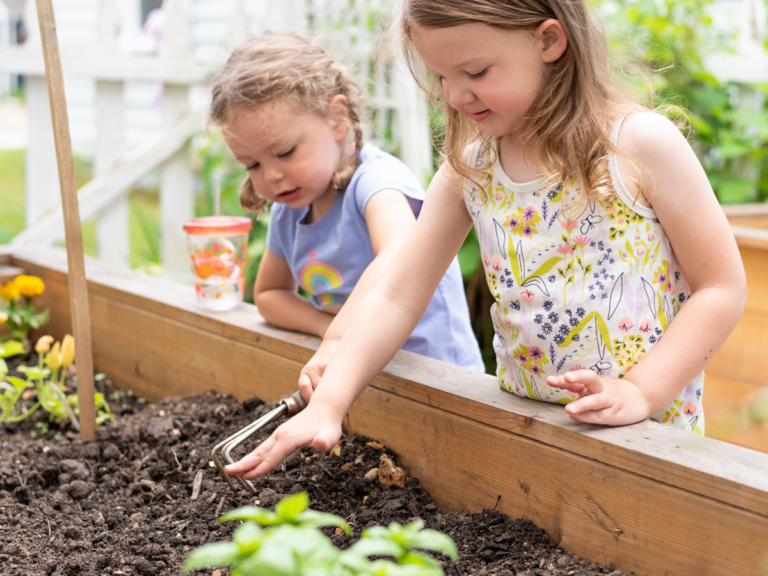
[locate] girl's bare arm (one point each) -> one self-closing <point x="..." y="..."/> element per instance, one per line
<point x="382" y="322"/>
<point x="275" y="294"/>
<point x="390" y="219"/>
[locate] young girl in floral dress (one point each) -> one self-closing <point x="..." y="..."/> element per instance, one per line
<point x="615" y="274"/>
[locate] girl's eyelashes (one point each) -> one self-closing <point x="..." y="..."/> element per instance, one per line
<point x="279" y="155"/>
<point x="478" y="74"/>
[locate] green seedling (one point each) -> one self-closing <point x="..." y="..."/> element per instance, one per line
<point x="289" y="542"/>
<point x="48" y="380"/>
<point x="11" y="389"/>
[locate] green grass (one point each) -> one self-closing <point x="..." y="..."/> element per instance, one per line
<point x="144" y="211"/>
<point x="11" y="194"/>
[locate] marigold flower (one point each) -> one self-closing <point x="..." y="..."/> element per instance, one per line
<point x="9" y="291"/>
<point x="54" y="357"/>
<point x="43" y="344"/>
<point x="67" y="350"/>
<point x="29" y="286"/>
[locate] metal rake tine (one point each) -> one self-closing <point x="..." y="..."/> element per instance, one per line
<point x="290" y="406"/>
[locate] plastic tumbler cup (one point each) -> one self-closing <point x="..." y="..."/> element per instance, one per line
<point x="217" y="247"/>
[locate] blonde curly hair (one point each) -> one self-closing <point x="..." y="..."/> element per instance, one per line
<point x="273" y="66"/>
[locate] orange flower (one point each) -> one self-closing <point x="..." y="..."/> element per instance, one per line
<point x="29" y="286"/>
<point x="9" y="291"/>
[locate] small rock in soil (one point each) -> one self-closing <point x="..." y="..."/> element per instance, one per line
<point x="111" y="452"/>
<point x="79" y="489"/>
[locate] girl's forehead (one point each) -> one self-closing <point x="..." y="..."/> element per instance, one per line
<point x="459" y="45"/>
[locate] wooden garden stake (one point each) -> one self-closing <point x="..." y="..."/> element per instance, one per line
<point x="78" y="289"/>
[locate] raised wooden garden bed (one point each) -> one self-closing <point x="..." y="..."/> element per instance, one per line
<point x="737" y="377"/>
<point x="644" y="497"/>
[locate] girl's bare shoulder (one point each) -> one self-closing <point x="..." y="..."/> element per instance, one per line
<point x="649" y="137"/>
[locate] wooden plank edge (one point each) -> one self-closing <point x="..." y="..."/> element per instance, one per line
<point x="714" y="469"/>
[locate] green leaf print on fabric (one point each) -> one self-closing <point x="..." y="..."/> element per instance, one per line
<point x="601" y="330"/>
<point x="517" y="262"/>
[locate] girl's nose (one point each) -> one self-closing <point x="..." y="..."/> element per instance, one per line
<point x="457" y="94"/>
<point x="273" y="173"/>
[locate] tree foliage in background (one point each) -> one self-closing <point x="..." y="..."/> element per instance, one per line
<point x="728" y="121"/>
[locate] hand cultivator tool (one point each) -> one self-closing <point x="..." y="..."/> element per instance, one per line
<point x="290" y="406"/>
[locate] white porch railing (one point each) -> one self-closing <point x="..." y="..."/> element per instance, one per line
<point x="396" y="110"/>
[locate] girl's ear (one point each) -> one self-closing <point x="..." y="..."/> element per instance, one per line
<point x="338" y="112"/>
<point x="553" y="40"/>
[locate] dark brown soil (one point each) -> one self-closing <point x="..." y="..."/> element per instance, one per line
<point x="123" y="505"/>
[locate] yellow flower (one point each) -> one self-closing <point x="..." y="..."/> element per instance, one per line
<point x="9" y="291"/>
<point x="3" y="317"/>
<point x="54" y="357"/>
<point x="67" y="350"/>
<point x="29" y="286"/>
<point x="43" y="344"/>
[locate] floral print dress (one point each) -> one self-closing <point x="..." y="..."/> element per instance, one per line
<point x="596" y="293"/>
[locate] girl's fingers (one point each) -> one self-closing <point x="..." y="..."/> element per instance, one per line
<point x="250" y="461"/>
<point x="588" y="379"/>
<point x="601" y="416"/>
<point x="561" y="382"/>
<point x="587" y="404"/>
<point x="305" y="386"/>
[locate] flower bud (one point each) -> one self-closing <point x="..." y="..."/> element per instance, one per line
<point x="54" y="357"/>
<point x="3" y="317"/>
<point x="67" y="350"/>
<point x="44" y="344"/>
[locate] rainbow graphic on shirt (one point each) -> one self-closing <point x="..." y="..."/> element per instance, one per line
<point x="317" y="277"/>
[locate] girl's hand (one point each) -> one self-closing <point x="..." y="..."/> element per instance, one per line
<point x="318" y="426"/>
<point x="607" y="401"/>
<point x="314" y="369"/>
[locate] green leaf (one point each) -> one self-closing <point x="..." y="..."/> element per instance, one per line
<point x="376" y="547"/>
<point x="469" y="257"/>
<point x="420" y="559"/>
<point x="291" y="506"/>
<point x="18" y="382"/>
<point x="212" y="555"/>
<point x="35" y="372"/>
<point x="261" y="515"/>
<point x="433" y="540"/>
<point x="11" y="348"/>
<point x="314" y="518"/>
<point x="248" y="537"/>
<point x="3" y="368"/>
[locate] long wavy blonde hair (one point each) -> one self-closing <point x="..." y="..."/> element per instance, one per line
<point x="272" y="66"/>
<point x="569" y="123"/>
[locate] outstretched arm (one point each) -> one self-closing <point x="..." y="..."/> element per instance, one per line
<point x="676" y="186"/>
<point x="390" y="220"/>
<point x="380" y="325"/>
